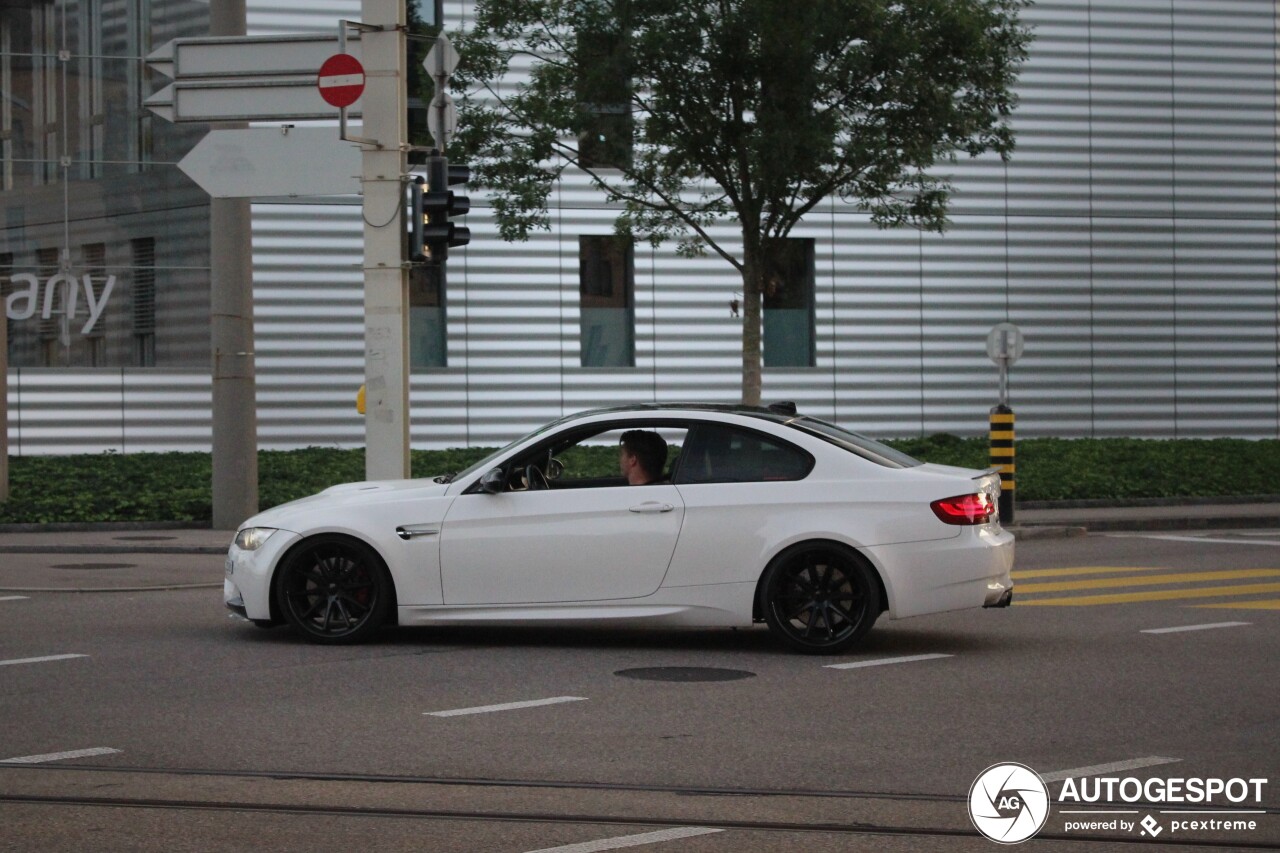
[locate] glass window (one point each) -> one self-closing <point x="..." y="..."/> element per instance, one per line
<point x="604" y="100"/>
<point x="867" y="448"/>
<point x="606" y="286"/>
<point x="427" y="320"/>
<point x="144" y="301"/>
<point x="722" y="454"/>
<point x="590" y="457"/>
<point x="788" y="304"/>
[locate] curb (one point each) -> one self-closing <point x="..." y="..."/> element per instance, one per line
<point x="113" y="549"/>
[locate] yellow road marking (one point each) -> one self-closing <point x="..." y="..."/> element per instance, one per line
<point x="1243" y="605"/>
<point x="1147" y="580"/>
<point x="1084" y="570"/>
<point x="1152" y="595"/>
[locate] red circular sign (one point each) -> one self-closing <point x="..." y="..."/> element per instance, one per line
<point x="341" y="80"/>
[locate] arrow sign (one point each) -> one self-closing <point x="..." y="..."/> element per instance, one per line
<point x="341" y="80"/>
<point x="240" y="99"/>
<point x="260" y="162"/>
<point x="246" y="56"/>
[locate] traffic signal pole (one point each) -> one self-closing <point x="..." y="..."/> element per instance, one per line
<point x="386" y="279"/>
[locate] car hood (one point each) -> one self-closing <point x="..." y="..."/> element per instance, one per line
<point x="307" y="512"/>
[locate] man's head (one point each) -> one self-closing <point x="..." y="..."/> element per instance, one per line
<point x="642" y="457"/>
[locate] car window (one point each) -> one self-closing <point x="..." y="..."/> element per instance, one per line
<point x="589" y="457"/>
<point x="720" y="454"/>
<point x="867" y="448"/>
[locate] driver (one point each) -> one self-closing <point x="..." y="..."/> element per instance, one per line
<point x="642" y="456"/>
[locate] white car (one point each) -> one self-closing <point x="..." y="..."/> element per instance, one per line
<point x="759" y="515"/>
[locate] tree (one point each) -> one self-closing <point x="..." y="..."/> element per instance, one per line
<point x="692" y="112"/>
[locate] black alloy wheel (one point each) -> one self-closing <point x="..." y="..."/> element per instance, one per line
<point x="819" y="598"/>
<point x="334" y="590"/>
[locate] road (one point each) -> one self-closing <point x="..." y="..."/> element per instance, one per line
<point x="149" y="720"/>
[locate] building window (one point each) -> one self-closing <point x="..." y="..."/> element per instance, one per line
<point x="428" y="341"/>
<point x="144" y="301"/>
<point x="788" y="304"/>
<point x="606" y="286"/>
<point x="47" y="268"/>
<point x="6" y="288"/>
<point x="604" y="100"/>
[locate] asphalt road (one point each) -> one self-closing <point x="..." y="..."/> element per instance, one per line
<point x="149" y="720"/>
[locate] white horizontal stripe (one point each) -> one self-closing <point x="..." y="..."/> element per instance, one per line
<point x="631" y="840"/>
<point x="13" y="598"/>
<point x="884" y="661"/>
<point x="61" y="756"/>
<point x="508" y="706"/>
<point x="1207" y="540"/>
<point x="1204" y="627"/>
<point x="39" y="660"/>
<point x="341" y="80"/>
<point x="1099" y="769"/>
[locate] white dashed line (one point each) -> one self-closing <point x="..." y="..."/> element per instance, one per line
<point x="39" y="660"/>
<point x="1205" y="627"/>
<point x="61" y="756"/>
<point x="631" y="840"/>
<point x="859" y="664"/>
<point x="509" y="706"/>
<point x="1099" y="769"/>
<point x="13" y="598"/>
<point x="1206" y="539"/>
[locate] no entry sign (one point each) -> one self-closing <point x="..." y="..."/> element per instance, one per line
<point x="341" y="80"/>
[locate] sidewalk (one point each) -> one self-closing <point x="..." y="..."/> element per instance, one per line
<point x="132" y="558"/>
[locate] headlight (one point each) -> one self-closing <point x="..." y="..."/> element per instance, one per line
<point x="253" y="538"/>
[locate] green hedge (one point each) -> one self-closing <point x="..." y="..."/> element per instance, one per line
<point x="144" y="487"/>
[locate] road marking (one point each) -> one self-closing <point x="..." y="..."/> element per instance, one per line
<point x="1100" y="769"/>
<point x="1273" y="604"/>
<point x="61" y="756"/>
<point x="631" y="840"/>
<point x="1147" y="580"/>
<point x="13" y="598"/>
<point x="1083" y="570"/>
<point x="859" y="664"/>
<point x="1206" y="627"/>
<point x="508" y="706"/>
<point x="1207" y="539"/>
<point x="1153" y="595"/>
<point x="39" y="660"/>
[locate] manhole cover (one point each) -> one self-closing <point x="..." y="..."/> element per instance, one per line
<point x="685" y="673"/>
<point x="143" y="538"/>
<point x="93" y="566"/>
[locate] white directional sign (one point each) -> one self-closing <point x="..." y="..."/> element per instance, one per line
<point x="261" y="162"/>
<point x="442" y="117"/>
<point x="442" y="59"/>
<point x="247" y="56"/>
<point x="242" y="99"/>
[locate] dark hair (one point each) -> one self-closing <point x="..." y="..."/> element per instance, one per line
<point x="649" y="448"/>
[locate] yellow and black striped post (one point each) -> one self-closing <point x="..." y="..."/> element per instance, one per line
<point x="1002" y="457"/>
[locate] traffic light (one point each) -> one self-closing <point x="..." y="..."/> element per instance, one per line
<point x="431" y="233"/>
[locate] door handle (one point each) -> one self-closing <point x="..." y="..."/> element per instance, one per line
<point x="652" y="506"/>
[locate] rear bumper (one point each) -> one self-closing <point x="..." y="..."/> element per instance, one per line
<point x="968" y="571"/>
<point x="996" y="598"/>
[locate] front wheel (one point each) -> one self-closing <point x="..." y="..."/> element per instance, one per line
<point x="819" y="598"/>
<point x="333" y="590"/>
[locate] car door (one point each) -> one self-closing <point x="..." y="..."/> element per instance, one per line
<point x="592" y="540"/>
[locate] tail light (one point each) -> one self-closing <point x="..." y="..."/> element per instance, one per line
<point x="965" y="509"/>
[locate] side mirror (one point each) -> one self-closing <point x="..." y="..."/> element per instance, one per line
<point x="493" y="482"/>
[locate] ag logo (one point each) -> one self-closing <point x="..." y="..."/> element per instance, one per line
<point x="1009" y="803"/>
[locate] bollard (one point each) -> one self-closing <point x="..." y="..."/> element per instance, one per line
<point x="1002" y="457"/>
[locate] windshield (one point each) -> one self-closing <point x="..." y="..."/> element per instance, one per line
<point x="867" y="448"/>
<point x="487" y="462"/>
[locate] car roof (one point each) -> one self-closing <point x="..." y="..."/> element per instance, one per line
<point x="777" y="412"/>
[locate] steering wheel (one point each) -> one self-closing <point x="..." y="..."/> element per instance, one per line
<point x="535" y="479"/>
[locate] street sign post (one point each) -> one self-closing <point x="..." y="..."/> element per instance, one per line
<point x="261" y="162"/>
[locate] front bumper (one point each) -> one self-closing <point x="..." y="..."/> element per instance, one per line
<point x="246" y="588"/>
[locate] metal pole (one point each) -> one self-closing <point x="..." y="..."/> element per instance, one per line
<point x="235" y="416"/>
<point x="386" y="279"/>
<point x="1003" y="456"/>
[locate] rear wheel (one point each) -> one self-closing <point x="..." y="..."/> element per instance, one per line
<point x="333" y="590"/>
<point x="819" y="598"/>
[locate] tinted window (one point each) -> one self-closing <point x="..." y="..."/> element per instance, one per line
<point x="718" y="454"/>
<point x="867" y="448"/>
